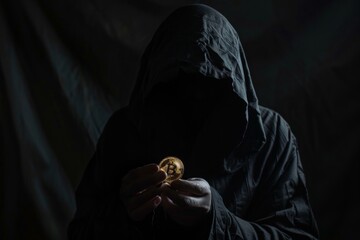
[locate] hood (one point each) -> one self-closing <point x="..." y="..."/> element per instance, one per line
<point x="197" y="39"/>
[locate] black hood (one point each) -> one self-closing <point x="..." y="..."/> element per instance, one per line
<point x="197" y="39"/>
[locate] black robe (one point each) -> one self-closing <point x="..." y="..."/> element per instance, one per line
<point x="194" y="99"/>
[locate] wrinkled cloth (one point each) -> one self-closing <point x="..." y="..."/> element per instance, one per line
<point x="194" y="99"/>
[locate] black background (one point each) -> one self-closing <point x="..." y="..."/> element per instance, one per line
<point x="65" y="66"/>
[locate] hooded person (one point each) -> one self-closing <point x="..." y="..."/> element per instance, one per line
<point x="194" y="99"/>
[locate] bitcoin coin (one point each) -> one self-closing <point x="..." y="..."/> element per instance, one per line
<point x="173" y="167"/>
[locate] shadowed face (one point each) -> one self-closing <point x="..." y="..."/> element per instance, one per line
<point x="189" y="113"/>
<point x="191" y="95"/>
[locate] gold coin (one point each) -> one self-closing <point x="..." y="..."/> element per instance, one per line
<point x="173" y="167"/>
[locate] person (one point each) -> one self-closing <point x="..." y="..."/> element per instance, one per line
<point x="194" y="100"/>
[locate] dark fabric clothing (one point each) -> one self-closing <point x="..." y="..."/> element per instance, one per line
<point x="194" y="99"/>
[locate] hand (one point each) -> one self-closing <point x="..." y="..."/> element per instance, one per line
<point x="140" y="190"/>
<point x="187" y="202"/>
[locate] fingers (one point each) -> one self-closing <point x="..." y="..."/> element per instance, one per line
<point x="176" y="198"/>
<point x="140" y="190"/>
<point x="139" y="199"/>
<point x="141" y="171"/>
<point x="146" y="181"/>
<point x="194" y="186"/>
<point x="131" y="187"/>
<point x="182" y="200"/>
<point x="187" y="202"/>
<point x="184" y="216"/>
<point x="143" y="210"/>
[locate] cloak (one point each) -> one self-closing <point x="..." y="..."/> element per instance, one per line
<point x="194" y="99"/>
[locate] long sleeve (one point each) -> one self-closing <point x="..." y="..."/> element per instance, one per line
<point x="97" y="215"/>
<point x="100" y="214"/>
<point x="279" y="207"/>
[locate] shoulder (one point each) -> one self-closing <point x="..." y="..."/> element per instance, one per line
<point x="119" y="126"/>
<point x="276" y="128"/>
<point x="119" y="120"/>
<point x="281" y="143"/>
<point x="119" y="116"/>
<point x="279" y="155"/>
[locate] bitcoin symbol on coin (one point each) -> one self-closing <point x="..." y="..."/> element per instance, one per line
<point x="173" y="167"/>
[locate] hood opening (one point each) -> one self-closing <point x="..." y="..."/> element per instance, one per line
<point x="194" y="65"/>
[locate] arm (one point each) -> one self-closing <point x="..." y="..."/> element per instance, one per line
<point x="280" y="211"/>
<point x="97" y="216"/>
<point x="100" y="213"/>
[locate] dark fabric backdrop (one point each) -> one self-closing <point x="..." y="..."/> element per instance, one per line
<point x="66" y="65"/>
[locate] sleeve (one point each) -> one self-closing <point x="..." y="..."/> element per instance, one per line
<point x="99" y="213"/>
<point x="280" y="206"/>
